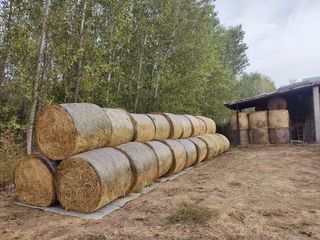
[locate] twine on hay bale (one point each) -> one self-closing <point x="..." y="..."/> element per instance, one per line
<point x="176" y="127"/>
<point x="144" y="128"/>
<point x="164" y="156"/>
<point x="34" y="180"/>
<point x="210" y="124"/>
<point x="162" y="126"/>
<point x="179" y="155"/>
<point x="195" y="125"/>
<point x="122" y="127"/>
<point x="67" y="129"/>
<point x="187" y="127"/>
<point x="201" y="148"/>
<point x="144" y="162"/>
<point x="191" y="151"/>
<point x="90" y="180"/>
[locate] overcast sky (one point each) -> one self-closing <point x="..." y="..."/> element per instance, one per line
<point x="283" y="36"/>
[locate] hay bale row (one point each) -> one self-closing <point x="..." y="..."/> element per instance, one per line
<point x="243" y="121"/>
<point x="68" y="129"/>
<point x="87" y="181"/>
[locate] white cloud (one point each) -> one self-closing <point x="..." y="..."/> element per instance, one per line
<point x="283" y="36"/>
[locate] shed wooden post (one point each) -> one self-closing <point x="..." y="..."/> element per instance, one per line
<point x="316" y="110"/>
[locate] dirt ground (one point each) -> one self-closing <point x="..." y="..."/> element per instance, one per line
<point x="259" y="192"/>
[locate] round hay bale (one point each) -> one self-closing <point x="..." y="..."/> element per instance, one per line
<point x="164" y="156"/>
<point x="176" y="127"/>
<point x="221" y="142"/>
<point x="212" y="145"/>
<point x="203" y="126"/>
<point x="259" y="136"/>
<point x="277" y="103"/>
<point x="202" y="149"/>
<point x="122" y="126"/>
<point x="195" y="125"/>
<point x="258" y="120"/>
<point x="67" y="129"/>
<point x="144" y="163"/>
<point x="244" y="137"/>
<point x="187" y="127"/>
<point x="279" y="135"/>
<point x="162" y="126"/>
<point x="278" y="119"/>
<point x="243" y="121"/>
<point x="226" y="142"/>
<point x="90" y="180"/>
<point x="34" y="180"/>
<point x="191" y="150"/>
<point x="210" y="124"/>
<point x="179" y="155"/>
<point x="144" y="129"/>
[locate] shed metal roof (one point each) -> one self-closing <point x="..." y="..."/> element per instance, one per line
<point x="250" y="102"/>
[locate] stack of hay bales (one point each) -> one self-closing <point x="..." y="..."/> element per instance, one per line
<point x="240" y="135"/>
<point x="100" y="154"/>
<point x="278" y="126"/>
<point x="258" y="122"/>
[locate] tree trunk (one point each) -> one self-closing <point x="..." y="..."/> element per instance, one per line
<point x="81" y="39"/>
<point x="38" y="77"/>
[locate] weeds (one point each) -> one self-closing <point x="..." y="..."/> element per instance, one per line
<point x="190" y="212"/>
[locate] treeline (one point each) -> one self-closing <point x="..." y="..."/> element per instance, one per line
<point x="142" y="55"/>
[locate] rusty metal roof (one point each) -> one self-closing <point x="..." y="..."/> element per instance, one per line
<point x="250" y="102"/>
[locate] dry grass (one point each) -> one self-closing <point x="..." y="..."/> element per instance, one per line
<point x="191" y="212"/>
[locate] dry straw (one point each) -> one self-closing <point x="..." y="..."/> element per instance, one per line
<point x="144" y="128"/>
<point x="258" y="120"/>
<point x="259" y="136"/>
<point x="122" y="127"/>
<point x="210" y="124"/>
<point x="202" y="126"/>
<point x="67" y="129"/>
<point x="176" y="127"/>
<point x="212" y="145"/>
<point x="279" y="135"/>
<point x="162" y="126"/>
<point x="195" y="125"/>
<point x="187" y="127"/>
<point x="243" y="121"/>
<point x="34" y="180"/>
<point x="201" y="148"/>
<point x="278" y="119"/>
<point x="191" y="151"/>
<point x="90" y="180"/>
<point x="226" y="142"/>
<point x="164" y="156"/>
<point x="179" y="155"/>
<point x="277" y="103"/>
<point x="144" y="163"/>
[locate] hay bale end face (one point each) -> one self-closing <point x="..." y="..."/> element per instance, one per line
<point x="244" y="137"/>
<point x="144" y="128"/>
<point x="179" y="155"/>
<point x="210" y="124"/>
<point x="90" y="180"/>
<point x="164" y="156"/>
<point x="277" y="103"/>
<point x="258" y="120"/>
<point x="278" y="119"/>
<point x="144" y="163"/>
<point x="162" y="126"/>
<point x="34" y="180"/>
<point x="191" y="151"/>
<point x="279" y="135"/>
<point x="259" y="136"/>
<point x="195" y="125"/>
<point x="243" y="121"/>
<point x="176" y="127"/>
<point x="201" y="148"/>
<point x="187" y="127"/>
<point x="67" y="129"/>
<point x="122" y="127"/>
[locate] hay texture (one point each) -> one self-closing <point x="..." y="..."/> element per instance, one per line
<point x="195" y="125"/>
<point x="201" y="148"/>
<point x="176" y="127"/>
<point x="179" y="155"/>
<point x="212" y="145"/>
<point x="34" y="180"/>
<point x="144" y="128"/>
<point x="278" y="119"/>
<point x="210" y="124"/>
<point x="203" y="126"/>
<point x="162" y="126"/>
<point x="259" y="136"/>
<point x="244" y="137"/>
<point x="277" y="103"/>
<point x="164" y="156"/>
<point x="67" y="129"/>
<point x="191" y="151"/>
<point x="226" y="141"/>
<point x="258" y="120"/>
<point x="122" y="126"/>
<point x="144" y="163"/>
<point x="279" y="135"/>
<point x="90" y="180"/>
<point x="243" y="121"/>
<point x="187" y="127"/>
